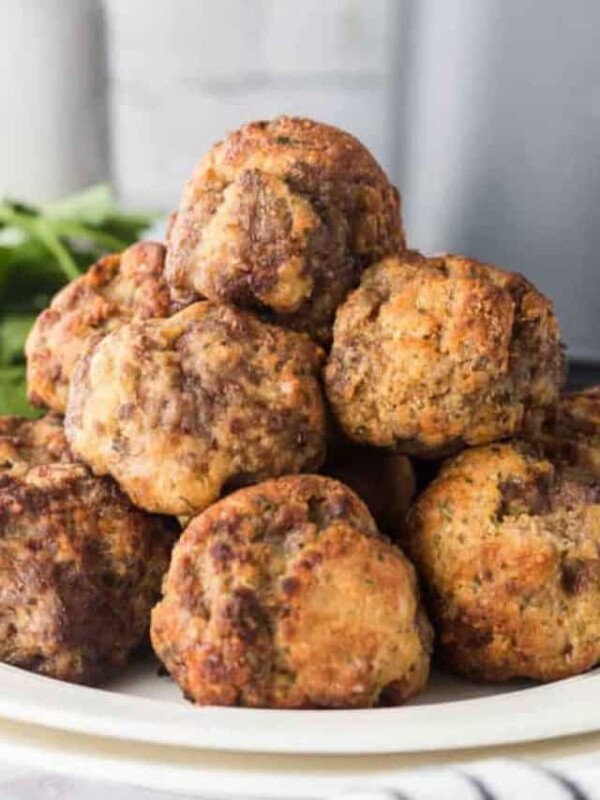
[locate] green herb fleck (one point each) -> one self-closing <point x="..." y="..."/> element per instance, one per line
<point x="445" y="510"/>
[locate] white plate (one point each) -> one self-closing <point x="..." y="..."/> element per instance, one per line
<point x="209" y="773"/>
<point x="143" y="707"/>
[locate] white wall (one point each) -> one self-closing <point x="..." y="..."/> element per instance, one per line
<point x="486" y="112"/>
<point x="52" y="97"/>
<point x="184" y="72"/>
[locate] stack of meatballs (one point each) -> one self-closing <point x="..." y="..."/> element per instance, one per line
<point x="239" y="419"/>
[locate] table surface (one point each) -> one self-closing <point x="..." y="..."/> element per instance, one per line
<point x="582" y="374"/>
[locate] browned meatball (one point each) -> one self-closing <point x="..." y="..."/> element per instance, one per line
<point x="433" y="354"/>
<point x="384" y="480"/>
<point x="179" y="409"/>
<point x="508" y="547"/>
<point x="284" y="595"/>
<point x="282" y="217"/>
<point x="80" y="569"/>
<point x="119" y="287"/>
<point x="27" y="442"/>
<point x="569" y="432"/>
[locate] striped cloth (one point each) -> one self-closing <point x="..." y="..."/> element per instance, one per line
<point x="497" y="779"/>
<point x="574" y="778"/>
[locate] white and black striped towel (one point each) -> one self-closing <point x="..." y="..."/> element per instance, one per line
<point x="576" y="778"/>
<point x="497" y="779"/>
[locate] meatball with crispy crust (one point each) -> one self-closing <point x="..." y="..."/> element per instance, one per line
<point x="384" y="480"/>
<point x="432" y="354"/>
<point x="569" y="432"/>
<point x="282" y="217"/>
<point x="508" y="547"/>
<point x="32" y="442"/>
<point x="284" y="595"/>
<point x="80" y="569"/>
<point x="178" y="410"/>
<point x="117" y="288"/>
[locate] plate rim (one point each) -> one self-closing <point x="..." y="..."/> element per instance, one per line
<point x="227" y="775"/>
<point x="537" y="713"/>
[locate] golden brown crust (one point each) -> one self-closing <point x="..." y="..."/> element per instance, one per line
<point x="432" y="354"/>
<point x="384" y="481"/>
<point x="508" y="548"/>
<point x="569" y="432"/>
<point x="80" y="569"/>
<point x="284" y="595"/>
<point x="282" y="217"/>
<point x="25" y="443"/>
<point x="178" y="410"/>
<point x="119" y="287"/>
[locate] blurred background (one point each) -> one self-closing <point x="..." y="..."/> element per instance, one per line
<point x="486" y="113"/>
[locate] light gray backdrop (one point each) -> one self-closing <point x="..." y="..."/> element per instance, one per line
<point x="485" y="112"/>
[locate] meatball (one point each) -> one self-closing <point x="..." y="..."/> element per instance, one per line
<point x="282" y="217"/>
<point x="508" y="548"/>
<point x="118" y="287"/>
<point x="432" y="354"/>
<point x="80" y="569"/>
<point x="570" y="431"/>
<point x="178" y="410"/>
<point x="384" y="480"/>
<point x="31" y="442"/>
<point x="284" y="595"/>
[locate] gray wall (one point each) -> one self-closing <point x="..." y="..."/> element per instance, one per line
<point x="501" y="152"/>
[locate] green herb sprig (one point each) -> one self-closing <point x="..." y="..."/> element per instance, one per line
<point x="41" y="249"/>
